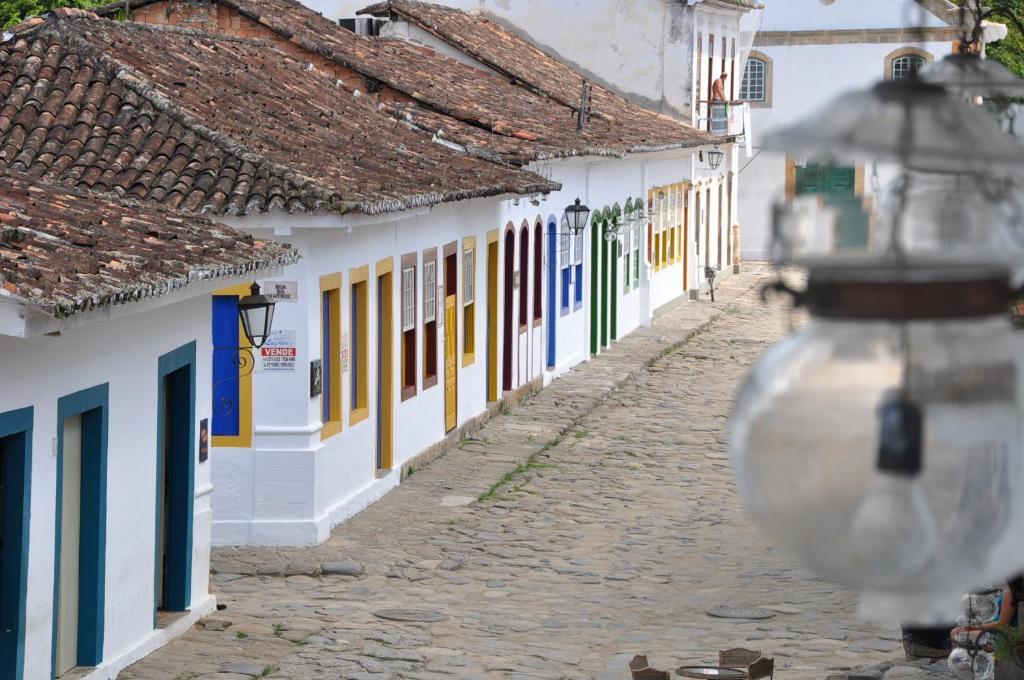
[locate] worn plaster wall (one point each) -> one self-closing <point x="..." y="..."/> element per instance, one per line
<point x="37" y="372"/>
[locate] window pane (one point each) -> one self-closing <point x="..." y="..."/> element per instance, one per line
<point x="752" y="88"/>
<point x="408" y="298"/>
<point x="429" y="291"/>
<point x="902" y="67"/>
<point x="469" y="278"/>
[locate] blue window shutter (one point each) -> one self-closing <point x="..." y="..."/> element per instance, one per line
<point x="579" y="283"/>
<point x="225" y="366"/>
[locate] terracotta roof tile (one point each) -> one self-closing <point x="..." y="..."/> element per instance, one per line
<point x="68" y="250"/>
<point x="216" y="124"/>
<point x="530" y="67"/>
<point x="479" y="110"/>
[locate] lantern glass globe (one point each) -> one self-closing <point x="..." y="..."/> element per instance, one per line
<point x="805" y="439"/>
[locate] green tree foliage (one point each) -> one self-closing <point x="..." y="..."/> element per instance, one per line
<point x="1009" y="51"/>
<point x="14" y="11"/>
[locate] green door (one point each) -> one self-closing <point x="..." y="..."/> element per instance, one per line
<point x="837" y="184"/>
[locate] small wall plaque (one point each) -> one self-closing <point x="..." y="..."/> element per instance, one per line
<point x="316" y="378"/>
<point x="204" y="440"/>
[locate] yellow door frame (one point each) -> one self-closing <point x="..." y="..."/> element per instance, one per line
<point x="386" y="362"/>
<point x="451" y="337"/>
<point x="244" y="437"/>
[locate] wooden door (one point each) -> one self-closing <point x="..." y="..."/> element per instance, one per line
<point x="492" y="321"/>
<point x="385" y="366"/>
<point x="451" y="397"/>
<point x="508" y="319"/>
<point x="70" y="546"/>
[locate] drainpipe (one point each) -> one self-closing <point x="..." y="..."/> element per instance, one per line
<point x="646" y="313"/>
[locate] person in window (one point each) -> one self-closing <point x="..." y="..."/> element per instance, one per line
<point x="718" y="89"/>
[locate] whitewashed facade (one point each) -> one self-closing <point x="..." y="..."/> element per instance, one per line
<point x="298" y="469"/>
<point x="100" y="417"/>
<point x="296" y="480"/>
<point x="806" y="54"/>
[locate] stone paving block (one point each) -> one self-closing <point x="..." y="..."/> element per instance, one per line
<point x="618" y="548"/>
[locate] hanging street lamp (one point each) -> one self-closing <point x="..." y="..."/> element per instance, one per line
<point x="256" y="312"/>
<point x="715" y="157"/>
<point x="576" y="216"/>
<point x="881" y="443"/>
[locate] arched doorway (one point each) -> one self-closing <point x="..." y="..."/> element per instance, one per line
<point x="553" y="269"/>
<point x="508" y="330"/>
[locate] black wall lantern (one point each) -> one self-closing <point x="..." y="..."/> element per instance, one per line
<point x="257" y="314"/>
<point x="715" y="158"/>
<point x="576" y="216"/>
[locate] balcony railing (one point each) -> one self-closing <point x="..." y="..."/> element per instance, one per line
<point x="724" y="119"/>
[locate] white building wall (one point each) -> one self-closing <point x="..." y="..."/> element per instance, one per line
<point x="291" y="488"/>
<point x="813" y="15"/>
<point x="123" y="353"/>
<point x="805" y="78"/>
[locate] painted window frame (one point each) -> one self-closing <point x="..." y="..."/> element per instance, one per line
<point x="19" y="423"/>
<point x="184" y="356"/>
<point x="331" y="409"/>
<point x="429" y="323"/>
<point x="765" y="102"/>
<point x="93" y="585"/>
<point x="243" y="439"/>
<point x="469" y="276"/>
<point x="408" y="331"/>
<point x="894" y="58"/>
<point x="359" y="339"/>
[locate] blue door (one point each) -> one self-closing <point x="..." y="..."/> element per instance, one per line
<point x="15" y="487"/>
<point x="175" y="487"/>
<point x="553" y="265"/>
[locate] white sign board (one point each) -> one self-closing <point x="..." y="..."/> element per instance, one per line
<point x="280" y="351"/>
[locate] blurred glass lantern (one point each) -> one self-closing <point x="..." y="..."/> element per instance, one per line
<point x="882" y="442"/>
<point x="967" y="75"/>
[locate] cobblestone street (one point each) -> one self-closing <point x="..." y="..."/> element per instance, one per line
<point x="597" y="520"/>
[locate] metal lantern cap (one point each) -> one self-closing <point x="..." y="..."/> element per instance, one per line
<point x="914" y="123"/>
<point x="968" y="75"/>
<point x="256" y="312"/>
<point x="576" y="215"/>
